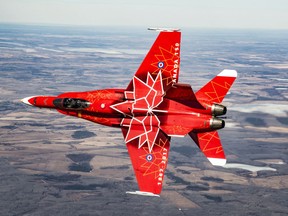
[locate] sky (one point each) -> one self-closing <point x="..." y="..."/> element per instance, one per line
<point x="256" y="14"/>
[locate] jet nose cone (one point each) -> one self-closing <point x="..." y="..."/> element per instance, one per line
<point x="27" y="100"/>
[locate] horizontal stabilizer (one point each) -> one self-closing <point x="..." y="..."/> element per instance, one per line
<point x="142" y="193"/>
<point x="183" y="94"/>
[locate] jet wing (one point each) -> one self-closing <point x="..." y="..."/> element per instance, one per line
<point x="163" y="57"/>
<point x="209" y="143"/>
<point x="147" y="144"/>
<point x="149" y="166"/>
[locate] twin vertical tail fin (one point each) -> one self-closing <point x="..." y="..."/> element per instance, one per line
<point x="213" y="93"/>
<point x="215" y="90"/>
<point x="209" y="143"/>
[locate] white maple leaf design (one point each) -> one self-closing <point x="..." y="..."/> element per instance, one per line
<point x="142" y="122"/>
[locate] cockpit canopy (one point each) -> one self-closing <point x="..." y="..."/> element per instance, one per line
<point x="71" y="103"/>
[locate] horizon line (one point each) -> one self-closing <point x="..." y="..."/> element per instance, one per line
<point x="137" y="26"/>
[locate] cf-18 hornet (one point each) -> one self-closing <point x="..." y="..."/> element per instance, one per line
<point x="153" y="108"/>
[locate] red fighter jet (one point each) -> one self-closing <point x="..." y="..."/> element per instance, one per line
<point x="153" y="108"/>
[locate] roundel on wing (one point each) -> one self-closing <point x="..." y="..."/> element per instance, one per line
<point x="161" y="64"/>
<point x="149" y="157"/>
